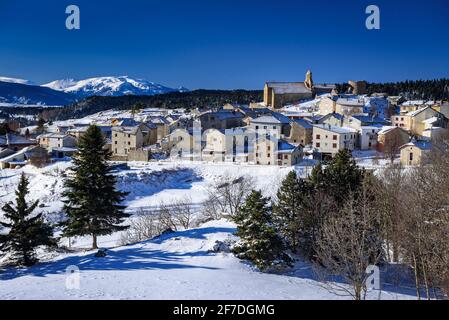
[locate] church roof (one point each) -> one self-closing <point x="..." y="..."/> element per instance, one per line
<point x="288" y="87"/>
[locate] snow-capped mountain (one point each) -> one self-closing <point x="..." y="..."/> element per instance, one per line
<point x="109" y="86"/>
<point x="14" y="80"/>
<point x="22" y="92"/>
<point x="60" y="85"/>
<point x="18" y="94"/>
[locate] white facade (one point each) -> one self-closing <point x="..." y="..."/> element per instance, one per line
<point x="329" y="139"/>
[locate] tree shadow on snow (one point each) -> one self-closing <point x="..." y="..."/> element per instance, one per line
<point x="148" y="184"/>
<point x="120" y="260"/>
<point x="126" y="258"/>
<point x="394" y="279"/>
<point x="199" y="234"/>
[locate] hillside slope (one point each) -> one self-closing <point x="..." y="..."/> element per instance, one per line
<point x="176" y="266"/>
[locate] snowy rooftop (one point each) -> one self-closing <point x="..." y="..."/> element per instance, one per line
<point x="275" y="118"/>
<point x="352" y="102"/>
<point x="288" y="87"/>
<point x="386" y="129"/>
<point x="413" y="103"/>
<point x="335" y="129"/>
<point x="423" y="145"/>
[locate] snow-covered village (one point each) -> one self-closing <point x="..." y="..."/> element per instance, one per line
<point x="119" y="188"/>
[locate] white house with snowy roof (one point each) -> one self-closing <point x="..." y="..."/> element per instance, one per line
<point x="328" y="140"/>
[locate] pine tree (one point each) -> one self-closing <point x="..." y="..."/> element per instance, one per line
<point x="341" y="177"/>
<point x="259" y="241"/>
<point x="289" y="210"/>
<point x="91" y="202"/>
<point x="26" y="231"/>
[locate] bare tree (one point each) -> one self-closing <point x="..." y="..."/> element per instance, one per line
<point x="426" y="225"/>
<point x="166" y="217"/>
<point x="348" y="244"/>
<point x="183" y="212"/>
<point x="389" y="205"/>
<point x="227" y="195"/>
<point x="143" y="226"/>
<point x="392" y="147"/>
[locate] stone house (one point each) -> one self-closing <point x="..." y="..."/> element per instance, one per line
<point x="275" y="124"/>
<point x="214" y="145"/>
<point x="301" y="132"/>
<point x="272" y="151"/>
<point x="415" y="153"/>
<point x="223" y="119"/>
<point x="346" y="105"/>
<point x="390" y="139"/>
<point x="329" y="140"/>
<point x="52" y="141"/>
<point x="185" y="144"/>
<point x="15" y="142"/>
<point x="417" y="122"/>
<point x="125" y="139"/>
<point x="279" y="94"/>
<point x="367" y="127"/>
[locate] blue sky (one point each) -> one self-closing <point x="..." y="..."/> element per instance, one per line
<point x="225" y="44"/>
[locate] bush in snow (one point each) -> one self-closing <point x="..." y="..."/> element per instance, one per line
<point x="143" y="226"/>
<point x="178" y="213"/>
<point x="226" y="196"/>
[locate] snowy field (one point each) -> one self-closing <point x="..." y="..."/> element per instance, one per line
<point x="176" y="266"/>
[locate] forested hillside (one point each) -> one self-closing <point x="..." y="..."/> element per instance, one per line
<point x="437" y="89"/>
<point x="202" y="99"/>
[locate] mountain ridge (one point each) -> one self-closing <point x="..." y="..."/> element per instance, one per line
<point x="24" y="92"/>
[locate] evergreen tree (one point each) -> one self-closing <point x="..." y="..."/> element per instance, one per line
<point x="259" y="241"/>
<point x="341" y="177"/>
<point x="92" y="203"/>
<point x="26" y="231"/>
<point x="136" y="108"/>
<point x="40" y="125"/>
<point x="289" y="210"/>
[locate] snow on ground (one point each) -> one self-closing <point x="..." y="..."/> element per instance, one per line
<point x="151" y="183"/>
<point x="175" y="266"/>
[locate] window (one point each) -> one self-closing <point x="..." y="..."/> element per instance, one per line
<point x="115" y="150"/>
<point x="269" y="155"/>
<point x="335" y="138"/>
<point x="411" y="156"/>
<point x="115" y="142"/>
<point x="116" y="135"/>
<point x="318" y="136"/>
<point x="286" y="157"/>
<point x="334" y="146"/>
<point x="129" y="136"/>
<point x="318" y="145"/>
<point x="129" y="143"/>
<point x="257" y="127"/>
